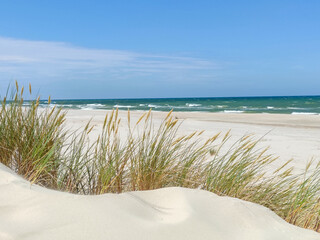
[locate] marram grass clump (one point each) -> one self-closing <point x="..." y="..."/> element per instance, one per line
<point x="35" y="144"/>
<point x="31" y="141"/>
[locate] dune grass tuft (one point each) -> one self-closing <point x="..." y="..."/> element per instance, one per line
<point x="35" y="144"/>
<point x="30" y="142"/>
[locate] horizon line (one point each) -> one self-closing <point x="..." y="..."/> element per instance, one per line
<point x="265" y="96"/>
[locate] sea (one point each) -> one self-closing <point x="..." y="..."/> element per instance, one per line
<point x="281" y="105"/>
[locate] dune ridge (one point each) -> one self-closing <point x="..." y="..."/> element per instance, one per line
<point x="33" y="212"/>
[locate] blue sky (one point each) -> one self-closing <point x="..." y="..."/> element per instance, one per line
<point x="161" y="48"/>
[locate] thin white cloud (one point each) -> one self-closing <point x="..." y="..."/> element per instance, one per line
<point x="58" y="68"/>
<point x="15" y="59"/>
<point x="47" y="57"/>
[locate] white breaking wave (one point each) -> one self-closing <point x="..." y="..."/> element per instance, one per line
<point x="270" y="107"/>
<point x="233" y="111"/>
<point x="153" y="106"/>
<point x="66" y="105"/>
<point x="95" y="105"/>
<point x="123" y="106"/>
<point x="304" y="113"/>
<point x="193" y="105"/>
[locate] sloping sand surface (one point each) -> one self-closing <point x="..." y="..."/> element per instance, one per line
<point x="32" y="212"/>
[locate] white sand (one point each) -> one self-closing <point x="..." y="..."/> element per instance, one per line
<point x="31" y="213"/>
<point x="294" y="137"/>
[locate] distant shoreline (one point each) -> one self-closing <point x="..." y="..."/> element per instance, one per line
<point x="302" y="105"/>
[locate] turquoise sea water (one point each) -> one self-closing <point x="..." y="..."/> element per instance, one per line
<point x="284" y="105"/>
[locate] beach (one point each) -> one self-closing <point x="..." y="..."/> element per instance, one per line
<point x="30" y="211"/>
<point x="159" y="120"/>
<point x="290" y="137"/>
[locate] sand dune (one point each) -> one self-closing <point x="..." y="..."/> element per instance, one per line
<point x="32" y="212"/>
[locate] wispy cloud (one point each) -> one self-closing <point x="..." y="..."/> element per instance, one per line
<point x="20" y="54"/>
<point x="44" y="61"/>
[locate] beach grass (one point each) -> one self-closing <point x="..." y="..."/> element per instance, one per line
<point x="35" y="143"/>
